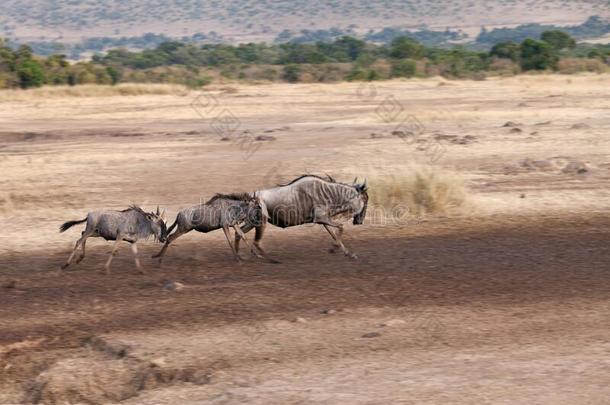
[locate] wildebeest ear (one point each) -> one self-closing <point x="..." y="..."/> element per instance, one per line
<point x="157" y="210"/>
<point x="162" y="216"/>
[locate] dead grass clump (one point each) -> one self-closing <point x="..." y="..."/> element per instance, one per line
<point x="415" y="191"/>
<point x="86" y="380"/>
<point x="578" y="65"/>
<point x="93" y="90"/>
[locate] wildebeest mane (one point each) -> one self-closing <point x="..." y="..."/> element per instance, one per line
<point x="327" y="178"/>
<point x="231" y="196"/>
<point x="136" y="208"/>
<point x="143" y="221"/>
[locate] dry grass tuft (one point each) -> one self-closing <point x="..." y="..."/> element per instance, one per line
<point x="93" y="90"/>
<point x="414" y="191"/>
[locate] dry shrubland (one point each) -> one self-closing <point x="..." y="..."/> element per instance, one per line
<point x="93" y="90"/>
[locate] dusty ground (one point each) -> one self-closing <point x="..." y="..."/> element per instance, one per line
<point x="504" y="301"/>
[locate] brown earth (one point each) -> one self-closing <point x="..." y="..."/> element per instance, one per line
<point x="505" y="301"/>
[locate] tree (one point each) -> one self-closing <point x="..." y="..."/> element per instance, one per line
<point x="24" y="52"/>
<point x="537" y="55"/>
<point x="405" y="47"/>
<point x="30" y="74"/>
<point x="558" y="39"/>
<point x="506" y="50"/>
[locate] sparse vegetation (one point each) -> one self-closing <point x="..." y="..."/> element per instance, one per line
<point x="346" y="58"/>
<point x="92" y="90"/>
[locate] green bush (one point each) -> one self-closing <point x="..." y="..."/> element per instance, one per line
<point x="506" y="50"/>
<point x="537" y="55"/>
<point x="357" y="73"/>
<point x="404" y="68"/>
<point x="558" y="39"/>
<point x="30" y="74"/>
<point x="405" y="47"/>
<point x="291" y="73"/>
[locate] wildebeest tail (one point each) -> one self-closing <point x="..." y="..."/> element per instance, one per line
<point x="70" y="224"/>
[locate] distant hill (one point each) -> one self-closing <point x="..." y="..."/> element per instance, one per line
<point x="263" y="20"/>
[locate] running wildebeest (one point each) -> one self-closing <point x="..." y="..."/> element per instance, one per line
<point x="312" y="199"/>
<point x="130" y="225"/>
<point x="222" y="211"/>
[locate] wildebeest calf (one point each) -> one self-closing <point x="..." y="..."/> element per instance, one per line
<point x="130" y="225"/>
<point x="221" y="211"/>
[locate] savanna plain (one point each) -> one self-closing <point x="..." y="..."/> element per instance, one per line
<point x="483" y="265"/>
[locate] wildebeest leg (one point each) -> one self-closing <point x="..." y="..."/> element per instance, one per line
<point x="67" y="263"/>
<point x="114" y="249"/>
<point x="336" y="245"/>
<point x="260" y="231"/>
<point x="84" y="240"/>
<point x="225" y="229"/>
<point x="244" y="229"/>
<point x="169" y="240"/>
<point x="339" y="242"/>
<point x="240" y="235"/>
<point x="134" y="249"/>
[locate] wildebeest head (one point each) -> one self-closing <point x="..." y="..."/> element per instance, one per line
<point x="362" y="189"/>
<point x="256" y="212"/>
<point x="157" y="224"/>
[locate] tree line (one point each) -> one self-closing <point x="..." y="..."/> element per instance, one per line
<point x="346" y="58"/>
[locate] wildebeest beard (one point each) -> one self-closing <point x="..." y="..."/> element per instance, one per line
<point x="359" y="218"/>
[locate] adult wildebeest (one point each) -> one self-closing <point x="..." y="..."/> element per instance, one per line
<point x="130" y="225"/>
<point x="222" y="211"/>
<point x="312" y="199"/>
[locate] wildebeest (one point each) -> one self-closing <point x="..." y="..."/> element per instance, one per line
<point x="312" y="199"/>
<point x="130" y="225"/>
<point x="222" y="211"/>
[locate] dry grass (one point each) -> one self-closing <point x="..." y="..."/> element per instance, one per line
<point x="93" y="90"/>
<point x="414" y="191"/>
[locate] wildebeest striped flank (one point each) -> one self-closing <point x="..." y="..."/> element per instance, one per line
<point x="312" y="199"/>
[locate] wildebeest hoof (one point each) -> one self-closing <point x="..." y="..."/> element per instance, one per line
<point x="63" y="266"/>
<point x="80" y="259"/>
<point x="352" y="256"/>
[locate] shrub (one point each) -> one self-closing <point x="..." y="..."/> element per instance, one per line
<point x="291" y="73"/>
<point x="576" y="65"/>
<point x="30" y="74"/>
<point x="503" y="67"/>
<point x="537" y="55"/>
<point x="507" y="50"/>
<point x="357" y="73"/>
<point x="362" y="74"/>
<point x="404" y="68"/>
<point x="405" y="47"/>
<point x="558" y="39"/>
